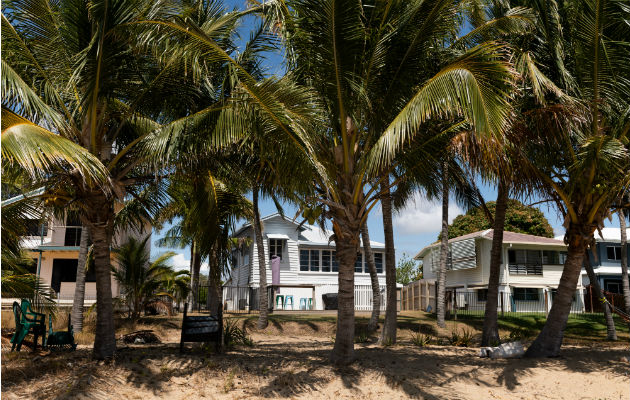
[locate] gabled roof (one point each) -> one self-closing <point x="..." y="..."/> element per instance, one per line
<point x="263" y="219"/>
<point x="610" y="234"/>
<point x="308" y="235"/>
<point x="508" y="238"/>
<point x="315" y="236"/>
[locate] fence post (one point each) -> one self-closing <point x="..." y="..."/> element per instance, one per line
<point x="590" y="293"/>
<point x="455" y="304"/>
<point x="501" y="294"/>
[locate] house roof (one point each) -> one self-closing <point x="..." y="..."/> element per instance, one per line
<point x="313" y="235"/>
<point x="508" y="238"/>
<point x="610" y="234"/>
<point x="309" y="234"/>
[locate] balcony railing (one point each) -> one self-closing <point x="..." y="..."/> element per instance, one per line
<point x="525" y="269"/>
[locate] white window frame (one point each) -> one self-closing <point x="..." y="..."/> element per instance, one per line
<point x="273" y="244"/>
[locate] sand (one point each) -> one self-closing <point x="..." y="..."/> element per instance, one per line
<point x="291" y="363"/>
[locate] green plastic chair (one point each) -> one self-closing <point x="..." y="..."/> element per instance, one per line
<point x="61" y="339"/>
<point x="279" y="299"/>
<point x="26" y="320"/>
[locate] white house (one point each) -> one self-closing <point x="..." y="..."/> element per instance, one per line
<point x="606" y="259"/>
<point x="54" y="247"/>
<point x="308" y="267"/>
<point x="530" y="271"/>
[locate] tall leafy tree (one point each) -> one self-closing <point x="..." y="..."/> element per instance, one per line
<point x="81" y="70"/>
<point x="584" y="165"/>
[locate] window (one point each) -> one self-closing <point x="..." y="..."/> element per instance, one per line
<point x="64" y="270"/>
<point x="482" y="294"/>
<point x="335" y="264"/>
<point x="613" y="285"/>
<point x="358" y="265"/>
<point x="73" y="237"/>
<point x="526" y="294"/>
<point x="378" y="260"/>
<point x="551" y="257"/>
<point x="614" y="252"/>
<point x="275" y="247"/>
<point x="525" y="262"/>
<point x="314" y="260"/>
<point x="326" y="260"/>
<point x="35" y="228"/>
<point x="304" y="260"/>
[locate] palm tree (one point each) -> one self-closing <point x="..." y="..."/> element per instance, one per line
<point x="332" y="52"/>
<point x="584" y="165"/>
<point x="622" y="208"/>
<point x="82" y="70"/>
<point x="140" y="279"/>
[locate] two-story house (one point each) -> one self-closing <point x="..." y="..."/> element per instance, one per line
<point x="54" y="247"/>
<point x="308" y="266"/>
<point x="530" y="271"/>
<point x="606" y="260"/>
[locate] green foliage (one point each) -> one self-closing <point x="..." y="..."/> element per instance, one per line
<point x="234" y="336"/>
<point x="463" y="339"/>
<point x="420" y="339"/>
<point x="142" y="281"/>
<point x="518" y="218"/>
<point x="408" y="270"/>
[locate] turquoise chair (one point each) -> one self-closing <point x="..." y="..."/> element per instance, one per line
<point x="303" y="303"/>
<point x="279" y="299"/>
<point x="26" y="320"/>
<point x="286" y="301"/>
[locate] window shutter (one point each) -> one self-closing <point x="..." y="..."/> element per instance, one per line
<point x="464" y="255"/>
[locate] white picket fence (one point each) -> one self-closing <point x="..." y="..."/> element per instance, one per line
<point x="362" y="296"/>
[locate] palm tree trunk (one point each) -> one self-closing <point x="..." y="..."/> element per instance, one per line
<point x="376" y="291"/>
<point x="549" y="341"/>
<point x="214" y="284"/>
<point x="195" y="278"/>
<point x="79" y="289"/>
<point x="624" y="259"/>
<point x="347" y="245"/>
<point x="101" y="223"/>
<point x="611" y="333"/>
<point x="263" y="316"/>
<point x="388" y="334"/>
<point x="490" y="333"/>
<point x="441" y="295"/>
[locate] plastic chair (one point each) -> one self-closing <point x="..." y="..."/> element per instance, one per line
<point x="27" y="320"/>
<point x="303" y="303"/>
<point x="310" y="303"/>
<point x="60" y="339"/>
<point x="286" y="301"/>
<point x="280" y="299"/>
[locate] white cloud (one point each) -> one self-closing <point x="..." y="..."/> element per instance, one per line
<point x="179" y="261"/>
<point x="423" y="216"/>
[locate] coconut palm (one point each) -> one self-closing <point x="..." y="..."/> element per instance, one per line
<point x="332" y="52"/>
<point x="584" y="165"/>
<point x="140" y="280"/>
<point x="77" y="69"/>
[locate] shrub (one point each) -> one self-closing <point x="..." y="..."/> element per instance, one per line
<point x="420" y="339"/>
<point x="519" y="334"/>
<point x="361" y="337"/>
<point x="233" y="335"/>
<point x="463" y="339"/>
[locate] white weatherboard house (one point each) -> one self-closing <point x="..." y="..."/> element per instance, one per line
<point x="308" y="267"/>
<point x="54" y="248"/>
<point x="530" y="271"/>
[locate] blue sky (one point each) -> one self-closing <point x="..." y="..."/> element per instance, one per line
<point x="416" y="226"/>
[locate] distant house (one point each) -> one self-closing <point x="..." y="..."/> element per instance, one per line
<point x="54" y="247"/>
<point x="606" y="260"/>
<point x="530" y="271"/>
<point x="308" y="266"/>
